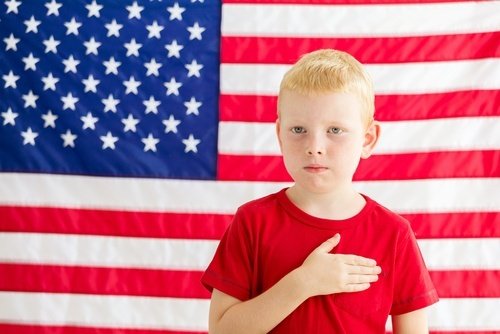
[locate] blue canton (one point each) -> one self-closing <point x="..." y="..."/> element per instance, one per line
<point x="110" y="88"/>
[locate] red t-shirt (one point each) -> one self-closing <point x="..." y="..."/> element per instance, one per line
<point x="269" y="237"/>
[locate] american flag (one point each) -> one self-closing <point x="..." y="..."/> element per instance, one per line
<point x="130" y="132"/>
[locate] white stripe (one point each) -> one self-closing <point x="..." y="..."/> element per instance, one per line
<point x="404" y="78"/>
<point x="114" y="252"/>
<point x="450" y="134"/>
<point x="408" y="196"/>
<point x="130" y="194"/>
<point x="284" y="20"/>
<point x="192" y="314"/>
<point x="461" y="254"/>
<point x="462" y="314"/>
<point x="435" y="195"/>
<point x="104" y="311"/>
<point x="105" y="251"/>
<point x="466" y="314"/>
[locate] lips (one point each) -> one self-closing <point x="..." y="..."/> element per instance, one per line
<point x="315" y="168"/>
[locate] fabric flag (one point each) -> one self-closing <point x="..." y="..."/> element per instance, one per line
<point x="130" y="132"/>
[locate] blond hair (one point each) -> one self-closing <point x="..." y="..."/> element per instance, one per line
<point x="329" y="70"/>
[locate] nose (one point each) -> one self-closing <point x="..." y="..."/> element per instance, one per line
<point x="315" y="146"/>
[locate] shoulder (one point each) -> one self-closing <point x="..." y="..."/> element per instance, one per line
<point x="261" y="205"/>
<point x="388" y="219"/>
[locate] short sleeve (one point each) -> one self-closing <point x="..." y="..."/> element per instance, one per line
<point x="230" y="270"/>
<point x="413" y="288"/>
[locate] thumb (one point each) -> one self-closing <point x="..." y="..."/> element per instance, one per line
<point x="329" y="244"/>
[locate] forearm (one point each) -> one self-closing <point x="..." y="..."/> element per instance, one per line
<point x="262" y="313"/>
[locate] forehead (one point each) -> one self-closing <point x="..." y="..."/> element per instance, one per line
<point x="329" y="106"/>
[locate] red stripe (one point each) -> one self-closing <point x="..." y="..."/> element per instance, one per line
<point x="455" y="225"/>
<point x="186" y="284"/>
<point x="379" y="50"/>
<point x="102" y="281"/>
<point x="117" y="223"/>
<point x="463" y="332"/>
<point x="450" y="164"/>
<point x="467" y="284"/>
<point x="8" y="328"/>
<point x="339" y="2"/>
<point x="250" y="108"/>
<point x="44" y="220"/>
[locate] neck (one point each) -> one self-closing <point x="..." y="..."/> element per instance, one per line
<point x="337" y="205"/>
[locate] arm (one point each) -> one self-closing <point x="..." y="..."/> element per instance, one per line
<point x="321" y="273"/>
<point x="257" y="315"/>
<point x="411" y="323"/>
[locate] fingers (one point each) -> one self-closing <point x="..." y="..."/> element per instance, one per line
<point x="363" y="270"/>
<point x="356" y="287"/>
<point x="329" y="244"/>
<point x="356" y="260"/>
<point x="359" y="282"/>
<point x="361" y="279"/>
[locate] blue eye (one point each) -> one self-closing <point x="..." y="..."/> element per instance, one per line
<point x="335" y="130"/>
<point x="298" y="129"/>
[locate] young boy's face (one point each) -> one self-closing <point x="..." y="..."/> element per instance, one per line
<point x="322" y="139"/>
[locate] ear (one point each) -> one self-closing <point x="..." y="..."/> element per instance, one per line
<point x="372" y="135"/>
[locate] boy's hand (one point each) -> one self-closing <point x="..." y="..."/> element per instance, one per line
<point x="326" y="273"/>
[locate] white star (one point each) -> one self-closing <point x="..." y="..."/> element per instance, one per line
<point x="51" y="45"/>
<point x="134" y="10"/>
<point x="174" y="49"/>
<point x="89" y="121"/>
<point x="133" y="48"/>
<point x="90" y="84"/>
<point x="49" y="82"/>
<point x="53" y="8"/>
<point x="201" y="1"/>
<point x="30" y="100"/>
<point x="112" y="65"/>
<point x="29" y="137"/>
<point x="11" y="42"/>
<point x="94" y="9"/>
<point x="154" y="30"/>
<point x="192" y="106"/>
<point x="113" y="28"/>
<point x="9" y="117"/>
<point x="108" y="141"/>
<point x="171" y="124"/>
<point x="49" y="119"/>
<point x="191" y="144"/>
<point x="175" y="12"/>
<point x="10" y="80"/>
<point x="32" y="25"/>
<point x="172" y="86"/>
<point x="194" y="69"/>
<point x="92" y="46"/>
<point x="69" y="101"/>
<point x="72" y="27"/>
<point x="130" y="122"/>
<point x="70" y="64"/>
<point x="153" y="67"/>
<point x="12" y="6"/>
<point x="68" y="138"/>
<point x="30" y="62"/>
<point x="151" y="105"/>
<point x="195" y="31"/>
<point x="110" y="103"/>
<point x="131" y="85"/>
<point x="150" y="143"/>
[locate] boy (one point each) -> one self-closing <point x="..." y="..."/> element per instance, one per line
<point x="273" y="270"/>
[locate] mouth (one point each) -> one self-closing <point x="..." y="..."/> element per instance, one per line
<point x="314" y="168"/>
